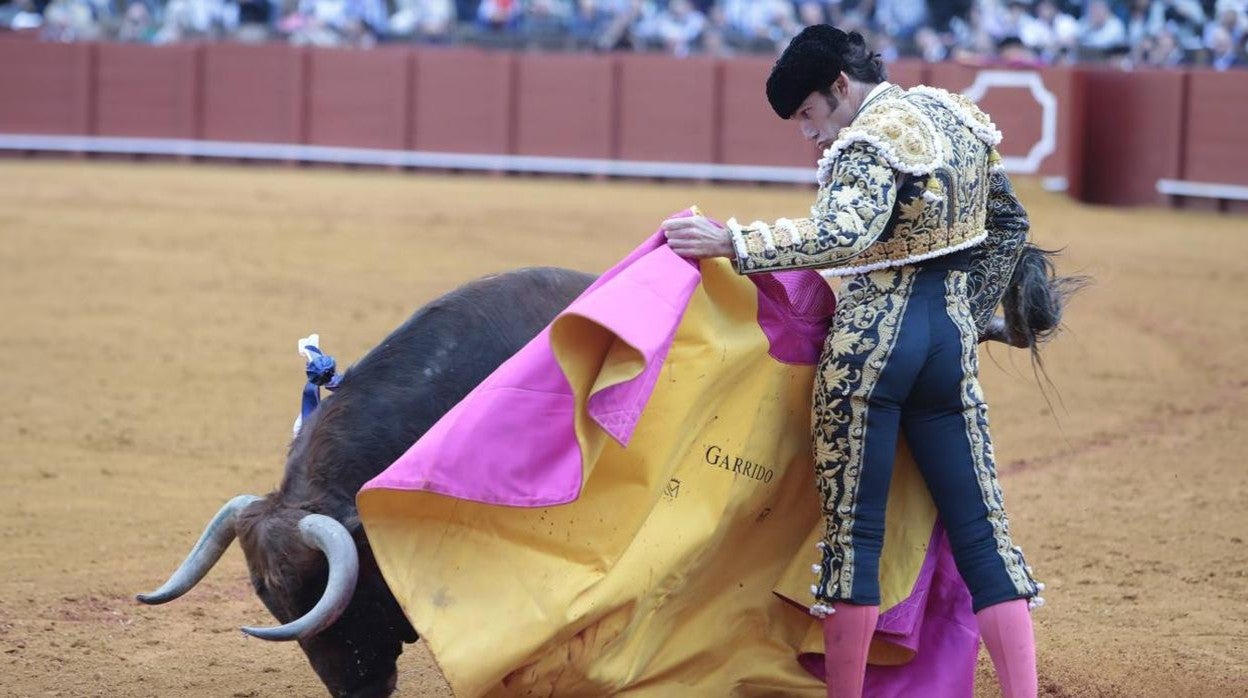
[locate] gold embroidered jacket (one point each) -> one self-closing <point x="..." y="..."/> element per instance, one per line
<point x="915" y="176"/>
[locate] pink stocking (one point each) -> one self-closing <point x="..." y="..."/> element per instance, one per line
<point x="846" y="639"/>
<point x="1006" y="629"/>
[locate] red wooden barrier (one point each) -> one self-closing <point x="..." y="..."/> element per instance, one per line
<point x="462" y="101"/>
<point x="1215" y="140"/>
<point x="668" y="109"/>
<point x="1135" y="135"/>
<point x="358" y="98"/>
<point x="750" y="132"/>
<point x="147" y="91"/>
<point x="907" y="73"/>
<point x="565" y="106"/>
<point x="252" y="93"/>
<point x="45" y="88"/>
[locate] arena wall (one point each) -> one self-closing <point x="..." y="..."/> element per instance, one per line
<point x="1105" y="136"/>
<point x="1134" y="134"/>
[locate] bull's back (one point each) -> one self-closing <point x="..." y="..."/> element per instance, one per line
<point x="392" y="396"/>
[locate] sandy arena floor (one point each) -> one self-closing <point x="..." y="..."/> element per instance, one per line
<point x="151" y="312"/>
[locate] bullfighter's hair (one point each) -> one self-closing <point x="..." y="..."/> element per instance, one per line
<point x="813" y="61"/>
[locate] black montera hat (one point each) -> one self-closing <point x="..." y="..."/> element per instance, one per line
<point x="812" y="62"/>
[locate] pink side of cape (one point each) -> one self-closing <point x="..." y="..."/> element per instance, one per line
<point x="535" y="461"/>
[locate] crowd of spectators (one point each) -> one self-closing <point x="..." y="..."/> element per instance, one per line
<point x="1127" y="32"/>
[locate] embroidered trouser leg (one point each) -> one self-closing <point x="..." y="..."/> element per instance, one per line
<point x="902" y="356"/>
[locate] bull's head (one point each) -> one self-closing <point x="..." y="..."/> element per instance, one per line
<point x="316" y="578"/>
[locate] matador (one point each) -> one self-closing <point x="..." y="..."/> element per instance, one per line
<point x="915" y="212"/>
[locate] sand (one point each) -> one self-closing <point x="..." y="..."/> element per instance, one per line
<point x="150" y="315"/>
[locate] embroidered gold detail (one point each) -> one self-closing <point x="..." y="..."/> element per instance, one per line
<point x="993" y="263"/>
<point x="902" y="132"/>
<point x="852" y="212"/>
<point x="904" y="183"/>
<point x="863" y="335"/>
<point x="975" y="414"/>
<point x="967" y="112"/>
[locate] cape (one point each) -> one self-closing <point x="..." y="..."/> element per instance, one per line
<point x="627" y="506"/>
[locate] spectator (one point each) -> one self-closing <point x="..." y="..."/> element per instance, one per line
<point x="591" y="19"/>
<point x="546" y="23"/>
<point x="102" y="12"/>
<point x="717" y="34"/>
<point x="1222" y="53"/>
<point x="1166" y="52"/>
<point x="1120" y="57"/>
<point x="900" y="19"/>
<point x="1229" y="15"/>
<point x="811" y="12"/>
<point x="1184" y="19"/>
<point x="1013" y="52"/>
<point x="357" y="33"/>
<point x="311" y="23"/>
<point x="930" y="46"/>
<point x="137" y="25"/>
<point x="761" y="24"/>
<point x="941" y="14"/>
<point x="425" y="19"/>
<point x="498" y="15"/>
<point x="1138" y="23"/>
<point x="680" y="26"/>
<point x="1017" y="14"/>
<point x="335" y="22"/>
<point x="632" y="28"/>
<point x="989" y="16"/>
<point x="714" y="44"/>
<point x="369" y="16"/>
<point x="973" y="41"/>
<point x="1125" y="33"/>
<point x="1141" y="52"/>
<point x="1101" y="29"/>
<point x="27" y="17"/>
<point x="1050" y="32"/>
<point x="251" y="21"/>
<point x="69" y="20"/>
<point x="177" y="24"/>
<point x="202" y="17"/>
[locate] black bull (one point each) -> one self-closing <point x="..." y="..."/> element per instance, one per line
<point x="306" y="551"/>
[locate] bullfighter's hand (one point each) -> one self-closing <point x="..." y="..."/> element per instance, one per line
<point x="696" y="237"/>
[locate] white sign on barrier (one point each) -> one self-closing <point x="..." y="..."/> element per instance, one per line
<point x="1030" y="80"/>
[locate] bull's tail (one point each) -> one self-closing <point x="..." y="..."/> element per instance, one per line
<point x="1036" y="298"/>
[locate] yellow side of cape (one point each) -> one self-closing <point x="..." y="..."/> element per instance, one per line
<point x="684" y="566"/>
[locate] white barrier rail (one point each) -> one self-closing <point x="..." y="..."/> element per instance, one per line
<point x="406" y="158"/>
<point x="1208" y="190"/>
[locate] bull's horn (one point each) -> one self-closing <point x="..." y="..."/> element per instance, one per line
<point x="336" y="542"/>
<point x="215" y="539"/>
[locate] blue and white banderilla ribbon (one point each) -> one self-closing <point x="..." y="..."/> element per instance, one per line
<point x="320" y="370"/>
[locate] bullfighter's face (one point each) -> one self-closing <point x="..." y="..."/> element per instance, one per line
<point x="823" y="114"/>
